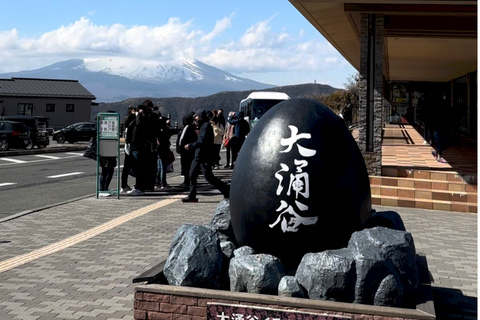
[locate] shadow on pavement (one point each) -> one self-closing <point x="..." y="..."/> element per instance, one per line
<point x="452" y="304"/>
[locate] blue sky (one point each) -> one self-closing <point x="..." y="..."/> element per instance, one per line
<point x="267" y="41"/>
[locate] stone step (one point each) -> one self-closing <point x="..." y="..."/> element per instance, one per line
<point x="431" y="204"/>
<point x="421" y="183"/>
<point x="421" y="193"/>
<point x="427" y="190"/>
<point x="395" y="171"/>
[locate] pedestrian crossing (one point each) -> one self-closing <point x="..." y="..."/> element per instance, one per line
<point x="38" y="158"/>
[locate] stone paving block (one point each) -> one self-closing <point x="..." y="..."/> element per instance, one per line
<point x="93" y="278"/>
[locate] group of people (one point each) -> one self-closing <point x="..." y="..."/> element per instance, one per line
<point x="147" y="148"/>
<point x="199" y="145"/>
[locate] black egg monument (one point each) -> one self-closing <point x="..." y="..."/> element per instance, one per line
<point x="300" y="183"/>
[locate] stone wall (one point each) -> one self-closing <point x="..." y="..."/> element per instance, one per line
<point x="373" y="158"/>
<point x="164" y="302"/>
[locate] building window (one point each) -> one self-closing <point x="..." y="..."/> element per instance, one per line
<point x="50" y="107"/>
<point x="70" y="107"/>
<point x="25" y="109"/>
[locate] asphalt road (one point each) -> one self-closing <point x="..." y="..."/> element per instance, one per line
<point x="37" y="178"/>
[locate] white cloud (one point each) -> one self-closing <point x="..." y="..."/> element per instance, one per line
<point x="8" y="39"/>
<point x="219" y="28"/>
<point x="259" y="50"/>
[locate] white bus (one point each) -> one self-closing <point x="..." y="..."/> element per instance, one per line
<point x="257" y="103"/>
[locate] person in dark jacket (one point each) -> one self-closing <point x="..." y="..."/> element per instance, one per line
<point x="128" y="159"/>
<point x="440" y="119"/>
<point x="143" y="147"/>
<point x="163" y="153"/>
<point x="242" y="129"/>
<point x="186" y="136"/>
<point x="204" y="158"/>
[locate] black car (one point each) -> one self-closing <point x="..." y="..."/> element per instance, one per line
<point x="37" y="125"/>
<point x="81" y="131"/>
<point x="14" y="135"/>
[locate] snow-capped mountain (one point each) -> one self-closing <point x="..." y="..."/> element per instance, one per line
<point x="117" y="79"/>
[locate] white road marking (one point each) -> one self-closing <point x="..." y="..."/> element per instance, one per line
<point x="65" y="175"/>
<point x="74" y="153"/>
<point x="48" y="157"/>
<point x="13" y="160"/>
<point x="6" y="184"/>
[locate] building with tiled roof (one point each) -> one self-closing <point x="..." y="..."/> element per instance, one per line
<point x="63" y="101"/>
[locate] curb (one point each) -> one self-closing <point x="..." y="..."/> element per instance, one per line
<point x="27" y="212"/>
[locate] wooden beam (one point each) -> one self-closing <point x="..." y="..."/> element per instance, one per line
<point x="410" y="9"/>
<point x="430" y="26"/>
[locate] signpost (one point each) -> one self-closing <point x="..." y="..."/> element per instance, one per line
<point x="108" y="144"/>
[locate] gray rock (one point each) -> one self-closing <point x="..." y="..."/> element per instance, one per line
<point x="227" y="248"/>
<point x="393" y="248"/>
<point x="243" y="251"/>
<point x="195" y="258"/>
<point x="370" y="273"/>
<point x="328" y="275"/>
<point x="289" y="287"/>
<point x="390" y="293"/>
<point x="258" y="273"/>
<point x="388" y="219"/>
<point x="221" y="221"/>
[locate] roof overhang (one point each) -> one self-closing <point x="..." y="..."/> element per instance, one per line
<point x="424" y="40"/>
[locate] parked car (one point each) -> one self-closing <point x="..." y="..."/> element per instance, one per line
<point x="14" y="135"/>
<point x="37" y="125"/>
<point x="81" y="131"/>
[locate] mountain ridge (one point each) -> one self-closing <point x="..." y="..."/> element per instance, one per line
<point x="229" y="101"/>
<point x="176" y="88"/>
<point x="107" y="82"/>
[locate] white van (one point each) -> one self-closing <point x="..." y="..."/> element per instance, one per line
<point x="257" y="103"/>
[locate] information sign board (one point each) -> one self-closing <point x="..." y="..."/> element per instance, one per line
<point x="108" y="126"/>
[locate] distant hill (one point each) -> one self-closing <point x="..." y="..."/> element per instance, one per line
<point x="177" y="107"/>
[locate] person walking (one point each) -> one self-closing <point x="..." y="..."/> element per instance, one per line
<point x="242" y="129"/>
<point x="440" y="119"/>
<point x="204" y="158"/>
<point x="186" y="136"/>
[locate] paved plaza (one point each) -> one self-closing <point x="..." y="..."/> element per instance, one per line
<point x="77" y="260"/>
